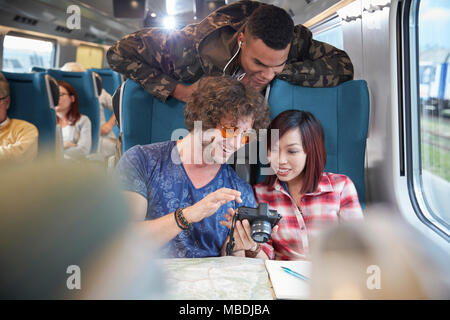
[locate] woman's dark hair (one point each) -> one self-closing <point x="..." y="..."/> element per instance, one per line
<point x="313" y="142"/>
<point x="273" y="25"/>
<point x="217" y="97"/>
<point x="74" y="113"/>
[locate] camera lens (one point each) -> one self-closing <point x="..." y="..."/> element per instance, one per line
<point x="261" y="231"/>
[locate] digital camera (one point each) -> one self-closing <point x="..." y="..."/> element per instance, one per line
<point x="261" y="219"/>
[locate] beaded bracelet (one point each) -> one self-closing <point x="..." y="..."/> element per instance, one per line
<point x="176" y="220"/>
<point x="184" y="224"/>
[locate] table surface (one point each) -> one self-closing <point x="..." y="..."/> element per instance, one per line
<point x="230" y="278"/>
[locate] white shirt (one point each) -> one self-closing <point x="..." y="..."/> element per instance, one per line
<point x="80" y="134"/>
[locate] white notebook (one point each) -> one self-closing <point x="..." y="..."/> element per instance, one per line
<point x="285" y="285"/>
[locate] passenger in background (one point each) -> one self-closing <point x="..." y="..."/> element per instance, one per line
<point x="381" y="258"/>
<point x="65" y="233"/>
<point x="183" y="188"/>
<point x="108" y="141"/>
<point x="76" y="128"/>
<point x="18" y="138"/>
<point x="309" y="199"/>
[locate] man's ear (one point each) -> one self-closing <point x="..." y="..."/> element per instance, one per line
<point x="241" y="38"/>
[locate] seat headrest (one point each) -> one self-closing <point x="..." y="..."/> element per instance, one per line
<point x="116" y="103"/>
<point x="53" y="90"/>
<point x="97" y="83"/>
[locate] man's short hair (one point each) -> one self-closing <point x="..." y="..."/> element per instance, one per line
<point x="221" y="96"/>
<point x="273" y="25"/>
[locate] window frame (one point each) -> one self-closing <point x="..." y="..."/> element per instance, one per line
<point x="332" y="22"/>
<point x="33" y="37"/>
<point x="411" y="110"/>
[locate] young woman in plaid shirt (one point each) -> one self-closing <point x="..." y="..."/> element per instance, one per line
<point x="308" y="198"/>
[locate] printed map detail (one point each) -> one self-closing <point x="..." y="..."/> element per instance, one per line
<point x="217" y="278"/>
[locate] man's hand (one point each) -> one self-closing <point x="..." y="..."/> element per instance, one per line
<point x="183" y="92"/>
<point x="242" y="233"/>
<point x="243" y="240"/>
<point x="210" y="204"/>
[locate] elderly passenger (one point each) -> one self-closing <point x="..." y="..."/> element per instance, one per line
<point x="183" y="189"/>
<point x="18" y="138"/>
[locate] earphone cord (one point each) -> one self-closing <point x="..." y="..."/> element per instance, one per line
<point x="229" y="61"/>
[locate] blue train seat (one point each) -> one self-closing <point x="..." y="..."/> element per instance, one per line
<point x="111" y="80"/>
<point x="38" y="69"/>
<point x="342" y="110"/>
<point x="145" y="120"/>
<point x="33" y="97"/>
<point x="88" y="86"/>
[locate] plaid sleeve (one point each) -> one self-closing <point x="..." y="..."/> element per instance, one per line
<point x="268" y="249"/>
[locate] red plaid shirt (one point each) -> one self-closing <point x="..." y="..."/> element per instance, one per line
<point x="335" y="200"/>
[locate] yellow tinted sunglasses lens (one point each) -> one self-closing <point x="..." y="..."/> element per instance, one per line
<point x="229" y="131"/>
<point x="245" y="139"/>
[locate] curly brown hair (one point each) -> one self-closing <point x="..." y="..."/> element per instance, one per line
<point x="219" y="97"/>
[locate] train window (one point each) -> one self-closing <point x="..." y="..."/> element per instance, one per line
<point x="90" y="57"/>
<point x="329" y="31"/>
<point x="21" y="53"/>
<point x="430" y="109"/>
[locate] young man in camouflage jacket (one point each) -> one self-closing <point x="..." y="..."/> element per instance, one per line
<point x="252" y="41"/>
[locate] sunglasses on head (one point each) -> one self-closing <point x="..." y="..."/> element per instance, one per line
<point x="231" y="131"/>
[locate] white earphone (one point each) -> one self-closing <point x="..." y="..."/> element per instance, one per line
<point x="239" y="44"/>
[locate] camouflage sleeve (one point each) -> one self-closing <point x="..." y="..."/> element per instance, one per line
<point x="313" y="63"/>
<point x="149" y="57"/>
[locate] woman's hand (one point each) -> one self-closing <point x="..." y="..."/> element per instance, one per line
<point x="210" y="204"/>
<point x="69" y="144"/>
<point x="106" y="128"/>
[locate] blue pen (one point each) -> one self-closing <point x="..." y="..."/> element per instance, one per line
<point x="295" y="274"/>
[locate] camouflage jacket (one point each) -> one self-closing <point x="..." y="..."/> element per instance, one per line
<point x="158" y="59"/>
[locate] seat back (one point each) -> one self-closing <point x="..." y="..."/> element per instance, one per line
<point x="145" y="120"/>
<point x="87" y="89"/>
<point x="33" y="97"/>
<point x="111" y="80"/>
<point x="343" y="112"/>
<point x="38" y="69"/>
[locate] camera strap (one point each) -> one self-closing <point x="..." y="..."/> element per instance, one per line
<point x="230" y="244"/>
